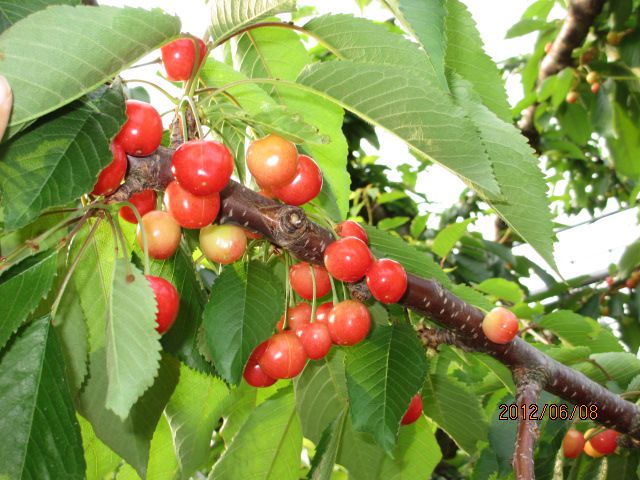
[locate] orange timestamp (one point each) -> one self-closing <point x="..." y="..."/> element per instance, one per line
<point x="553" y="411"/>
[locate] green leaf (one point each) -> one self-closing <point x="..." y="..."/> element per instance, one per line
<point x="193" y="412"/>
<point x="472" y="296"/>
<point x="563" y="84"/>
<point x="360" y="454"/>
<point x="577" y="330"/>
<point x="387" y="245"/>
<point x="60" y="157"/>
<point x="36" y="409"/>
<point x="100" y="459"/>
<point x="622" y="367"/>
<point x="327" y="450"/>
<point x="245" y="303"/>
<point x="623" y="465"/>
<point x="231" y="16"/>
<point x="383" y="373"/>
<point x="465" y="55"/>
<point x="12" y="11"/>
<point x="502" y="289"/>
<point x="525" y="206"/>
<point x="22" y="287"/>
<point x="625" y="147"/>
<point x="575" y="122"/>
<point x="456" y="409"/>
<point x="72" y="331"/>
<point x="448" y="237"/>
<point x="628" y="262"/>
<point x="54" y="47"/>
<point x="273" y="435"/>
<point x="390" y="223"/>
<point x="418" y="224"/>
<point x="525" y="26"/>
<point x="132" y="342"/>
<point x="130" y="438"/>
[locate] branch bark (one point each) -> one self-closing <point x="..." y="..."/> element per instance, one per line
<point x="288" y="227"/>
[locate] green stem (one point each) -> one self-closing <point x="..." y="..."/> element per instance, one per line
<point x="143" y="234"/>
<point x="157" y="87"/>
<point x="286" y="291"/>
<point x="314" y="302"/>
<point x="334" y="292"/>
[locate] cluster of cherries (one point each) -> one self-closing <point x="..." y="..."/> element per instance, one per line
<point x="603" y="443"/>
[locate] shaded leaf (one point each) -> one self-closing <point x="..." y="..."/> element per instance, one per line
<point x="327" y="450"/>
<point x="231" y="16"/>
<point x="577" y="330"/>
<point x="448" y="237"/>
<point x="100" y="459"/>
<point x="502" y="289"/>
<point x="12" y="11"/>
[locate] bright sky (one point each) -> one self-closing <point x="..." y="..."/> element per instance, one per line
<point x="582" y="250"/>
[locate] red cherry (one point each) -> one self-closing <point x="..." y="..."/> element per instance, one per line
<point x="167" y="301"/>
<point x="572" y="97"/>
<point x="178" y="58"/>
<point x="223" y="243"/>
<point x="315" y="339"/>
<point x="572" y="443"/>
<point x="605" y="442"/>
<point x="595" y="88"/>
<point x="500" y="325"/>
<point x="302" y="281"/>
<point x="349" y="322"/>
<point x="142" y="132"/>
<point x="323" y="311"/>
<point x="349" y="228"/>
<point x="305" y="186"/>
<point x="284" y="356"/>
<point x="273" y="161"/>
<point x="298" y="317"/>
<point x="547" y="47"/>
<point x="163" y="234"/>
<point x="111" y="176"/>
<point x="189" y="210"/>
<point x="253" y="373"/>
<point x="202" y="167"/>
<point x="348" y="259"/>
<point x="414" y="411"/>
<point x="144" y="202"/>
<point x="266" y="192"/>
<point x="387" y="280"/>
<point x="609" y="281"/>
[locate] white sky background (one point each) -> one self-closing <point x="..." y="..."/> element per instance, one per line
<point x="581" y="250"/>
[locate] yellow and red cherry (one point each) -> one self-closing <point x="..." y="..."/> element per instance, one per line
<point x="302" y="281"/>
<point x="387" y="280"/>
<point x="167" y="302"/>
<point x="348" y="259"/>
<point x="349" y="322"/>
<point x="349" y="228"/>
<point x="111" y="176"/>
<point x="572" y="443"/>
<point x="189" y="210"/>
<point x="162" y="232"/>
<point x="305" y="186"/>
<point x="500" y="325"/>
<point x="273" y="161"/>
<point x="179" y="56"/>
<point x="315" y="339"/>
<point x="413" y="411"/>
<point x="223" y="243"/>
<point x="604" y="443"/>
<point x="284" y="356"/>
<point x="144" y="202"/>
<point x="142" y="132"/>
<point x="253" y="373"/>
<point x="202" y="167"/>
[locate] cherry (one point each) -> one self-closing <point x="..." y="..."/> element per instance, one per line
<point x="547" y="47"/>
<point x="605" y="442"/>
<point x="305" y="186"/>
<point x="348" y="259"/>
<point x="273" y="161"/>
<point x="349" y="228"/>
<point x="572" y="97"/>
<point x="315" y="339"/>
<point x="162" y="232"/>
<point x="178" y="58"/>
<point x="111" y="176"/>
<point x="610" y="281"/>
<point x="189" y="210"/>
<point x="202" y="167"/>
<point x="252" y="235"/>
<point x="253" y="373"/>
<point x="500" y="325"/>
<point x="297" y="317"/>
<point x="144" y="202"/>
<point x="302" y="281"/>
<point x="142" y="132"/>
<point x="592" y="77"/>
<point x="572" y="443"/>
<point x="223" y="243"/>
<point x="167" y="301"/>
<point x="323" y="311"/>
<point x="349" y="322"/>
<point x="595" y="88"/>
<point x="413" y="411"/>
<point x="284" y="356"/>
<point x="387" y="280"/>
<point x="589" y="450"/>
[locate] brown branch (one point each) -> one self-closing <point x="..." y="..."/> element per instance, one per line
<point x="580" y="17"/>
<point x="289" y="228"/>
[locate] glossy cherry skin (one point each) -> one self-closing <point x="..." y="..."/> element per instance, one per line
<point x="349" y="228"/>
<point x="163" y="234"/>
<point x="202" y="167"/>
<point x="253" y="373"/>
<point x="605" y="442"/>
<point x="302" y="281"/>
<point x="111" y="177"/>
<point x="414" y="411"/>
<point x="387" y="280"/>
<point x="349" y="322"/>
<point x="178" y="58"/>
<point x="144" y="202"/>
<point x="297" y="317"/>
<point x="572" y="443"/>
<point x="273" y="161"/>
<point x="305" y="186"/>
<point x="167" y="302"/>
<point x="223" y="243"/>
<point x="323" y="311"/>
<point x="284" y="356"/>
<point x="500" y="325"/>
<point x="189" y="210"/>
<point x="315" y="339"/>
<point x="142" y="132"/>
<point x="348" y="259"/>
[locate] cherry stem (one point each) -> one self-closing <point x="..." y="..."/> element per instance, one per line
<point x="315" y="300"/>
<point x="146" y="64"/>
<point x="334" y="292"/>
<point x="286" y="291"/>
<point x="192" y="106"/>
<point x="344" y="291"/>
<point x="123" y="242"/>
<point x="143" y="233"/>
